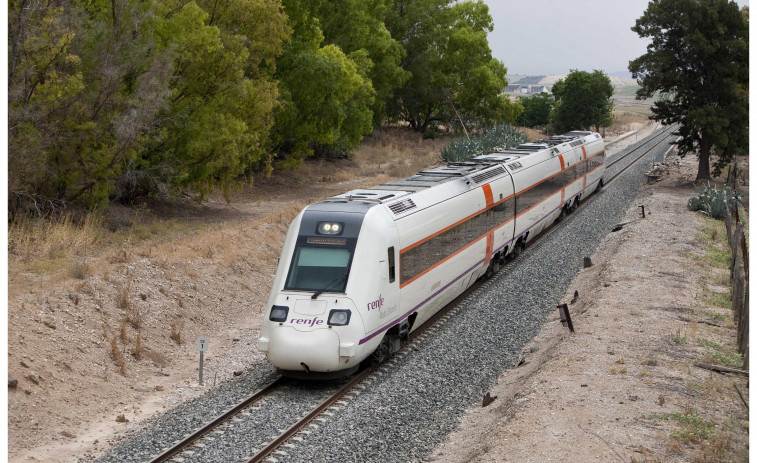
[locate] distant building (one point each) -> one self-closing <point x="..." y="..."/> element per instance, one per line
<point x="528" y="89"/>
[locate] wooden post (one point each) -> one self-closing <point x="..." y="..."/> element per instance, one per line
<point x="565" y="317"/>
<point x="737" y="292"/>
<point x="738" y="234"/>
<point x="744" y="255"/>
<point x="728" y="219"/>
<point x="745" y="366"/>
<point x="743" y="334"/>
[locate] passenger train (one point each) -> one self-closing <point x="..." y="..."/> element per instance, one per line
<point x="361" y="270"/>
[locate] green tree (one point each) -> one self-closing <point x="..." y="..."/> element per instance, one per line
<point x="358" y="26"/>
<point x="108" y="100"/>
<point x="453" y="75"/>
<point x="536" y="110"/>
<point x="582" y="101"/>
<point x="326" y="95"/>
<point x="83" y="77"/>
<point x="698" y="61"/>
<point x="215" y="122"/>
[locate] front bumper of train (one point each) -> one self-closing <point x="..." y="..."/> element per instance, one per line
<point x="319" y="350"/>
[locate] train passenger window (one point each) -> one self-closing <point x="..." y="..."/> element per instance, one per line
<point x="390" y="260"/>
<point x="425" y="255"/>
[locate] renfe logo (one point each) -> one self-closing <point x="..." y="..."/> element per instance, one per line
<point x="306" y="321"/>
<point x="375" y="304"/>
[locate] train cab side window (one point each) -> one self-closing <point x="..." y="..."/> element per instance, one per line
<point x="390" y="261"/>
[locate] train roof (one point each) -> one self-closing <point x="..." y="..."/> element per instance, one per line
<point x="460" y="176"/>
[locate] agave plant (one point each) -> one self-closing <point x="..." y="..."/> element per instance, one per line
<point x="494" y="139"/>
<point x="714" y="202"/>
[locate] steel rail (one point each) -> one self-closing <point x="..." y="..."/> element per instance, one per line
<point x="664" y="135"/>
<point x="224" y="417"/>
<point x="276" y="443"/>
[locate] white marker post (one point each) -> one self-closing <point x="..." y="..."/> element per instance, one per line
<point x="202" y="345"/>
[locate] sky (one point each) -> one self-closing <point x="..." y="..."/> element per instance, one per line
<point x="544" y="37"/>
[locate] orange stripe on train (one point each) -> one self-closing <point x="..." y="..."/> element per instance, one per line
<point x="488" y="195"/>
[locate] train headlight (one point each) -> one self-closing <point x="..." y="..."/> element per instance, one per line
<point x="330" y="228"/>
<point x="279" y="313"/>
<point x="339" y="317"/>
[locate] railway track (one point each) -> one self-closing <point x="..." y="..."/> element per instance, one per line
<point x="639" y="152"/>
<point x="186" y="444"/>
<point x="332" y="395"/>
<point x="225" y="417"/>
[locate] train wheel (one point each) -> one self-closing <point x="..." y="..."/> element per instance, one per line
<point x="493" y="267"/>
<point x="382" y="352"/>
<point x="574" y="204"/>
<point x="601" y="183"/>
<point x="517" y="248"/>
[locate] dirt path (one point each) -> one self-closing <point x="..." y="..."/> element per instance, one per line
<point x="623" y="387"/>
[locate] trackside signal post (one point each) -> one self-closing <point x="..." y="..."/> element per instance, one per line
<point x="202" y="345"/>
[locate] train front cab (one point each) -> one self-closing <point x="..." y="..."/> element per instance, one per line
<point x="332" y="284"/>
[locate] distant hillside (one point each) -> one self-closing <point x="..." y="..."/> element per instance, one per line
<point x="626" y="74"/>
<point x="520" y="83"/>
<point x="525" y="80"/>
<point x="615" y="80"/>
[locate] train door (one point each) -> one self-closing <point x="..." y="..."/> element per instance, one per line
<point x="573" y="159"/>
<point x="390" y="292"/>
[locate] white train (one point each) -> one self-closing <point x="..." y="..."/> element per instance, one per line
<point x="359" y="271"/>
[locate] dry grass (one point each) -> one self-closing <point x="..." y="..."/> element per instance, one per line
<point x="533" y="134"/>
<point x="137" y="349"/>
<point x="123" y="298"/>
<point x="124" y="336"/>
<point x="134" y="316"/>
<point x="115" y="351"/>
<point x="177" y="330"/>
<point x="641" y="110"/>
<point x="45" y="246"/>
<point x="257" y="240"/>
<point x="627" y="121"/>
<point x="395" y="152"/>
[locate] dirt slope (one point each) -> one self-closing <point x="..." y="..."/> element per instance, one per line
<point x="93" y="355"/>
<point x="103" y="339"/>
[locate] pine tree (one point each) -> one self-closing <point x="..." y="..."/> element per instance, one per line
<point x="698" y="61"/>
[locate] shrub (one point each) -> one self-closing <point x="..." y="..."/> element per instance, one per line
<point x="176" y="332"/>
<point x="496" y="138"/>
<point x="714" y="202"/>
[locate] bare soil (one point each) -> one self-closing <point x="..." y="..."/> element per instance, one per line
<point x="96" y="354"/>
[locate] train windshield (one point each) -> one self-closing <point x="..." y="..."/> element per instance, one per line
<point x="319" y="269"/>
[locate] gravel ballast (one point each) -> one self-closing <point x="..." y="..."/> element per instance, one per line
<point x="413" y="402"/>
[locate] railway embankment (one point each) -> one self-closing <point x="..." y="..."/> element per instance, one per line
<point x="624" y="386"/>
<point x="82" y="404"/>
